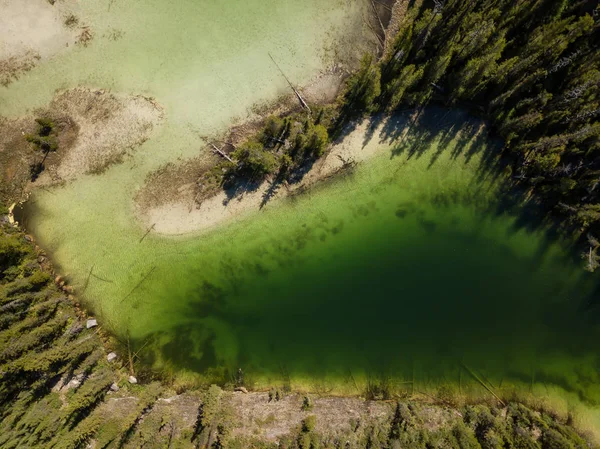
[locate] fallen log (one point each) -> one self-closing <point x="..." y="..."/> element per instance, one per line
<point x="87" y="280"/>
<point x="378" y="18"/>
<point x="379" y="38"/>
<point x="220" y="153"/>
<point x="298" y="96"/>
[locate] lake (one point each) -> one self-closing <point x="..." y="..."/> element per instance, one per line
<point x="413" y="270"/>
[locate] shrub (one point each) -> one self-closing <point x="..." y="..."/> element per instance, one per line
<point x="44" y="139"/>
<point x="44" y="143"/>
<point x="275" y="394"/>
<point x="274" y="127"/>
<point x="309" y="423"/>
<point x="45" y="126"/>
<point x="307" y="403"/>
<point x="254" y="161"/>
<point x="317" y="142"/>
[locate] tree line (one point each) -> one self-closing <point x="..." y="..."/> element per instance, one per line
<point x="532" y="68"/>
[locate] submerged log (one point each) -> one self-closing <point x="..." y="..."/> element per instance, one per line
<point x="139" y="284"/>
<point x="483" y="384"/>
<point x="147" y="232"/>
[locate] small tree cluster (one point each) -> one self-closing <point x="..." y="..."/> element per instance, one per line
<point x="45" y="141"/>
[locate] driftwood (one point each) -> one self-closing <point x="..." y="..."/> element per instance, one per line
<point x="227" y="143"/>
<point x="220" y="153"/>
<point x="300" y="99"/>
<point x="379" y="38"/>
<point x="384" y="5"/>
<point x="348" y="163"/>
<point x="378" y="18"/>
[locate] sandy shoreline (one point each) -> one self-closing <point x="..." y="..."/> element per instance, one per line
<point x="182" y="215"/>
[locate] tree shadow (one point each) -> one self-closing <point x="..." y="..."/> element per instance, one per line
<point x="236" y="187"/>
<point x="374" y="122"/>
<point x="466" y="137"/>
<point x="270" y="193"/>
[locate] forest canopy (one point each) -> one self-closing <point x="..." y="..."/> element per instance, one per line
<point x="532" y="68"/>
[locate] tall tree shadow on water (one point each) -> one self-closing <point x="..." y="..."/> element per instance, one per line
<point x="414" y="133"/>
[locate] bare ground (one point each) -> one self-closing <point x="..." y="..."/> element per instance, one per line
<point x="94" y="129"/>
<point x="256" y="416"/>
<point x="109" y="127"/>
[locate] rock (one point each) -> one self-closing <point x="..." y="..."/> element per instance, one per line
<point x="62" y="284"/>
<point x="91" y="323"/>
<point x="241" y="389"/>
<point x="57" y="279"/>
<point x="29" y="238"/>
<point x="114" y="387"/>
<point x="76" y="381"/>
<point x="132" y="380"/>
<point x="112" y="356"/>
<point x="75" y="329"/>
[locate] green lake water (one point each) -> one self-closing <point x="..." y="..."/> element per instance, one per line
<point x="410" y="268"/>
